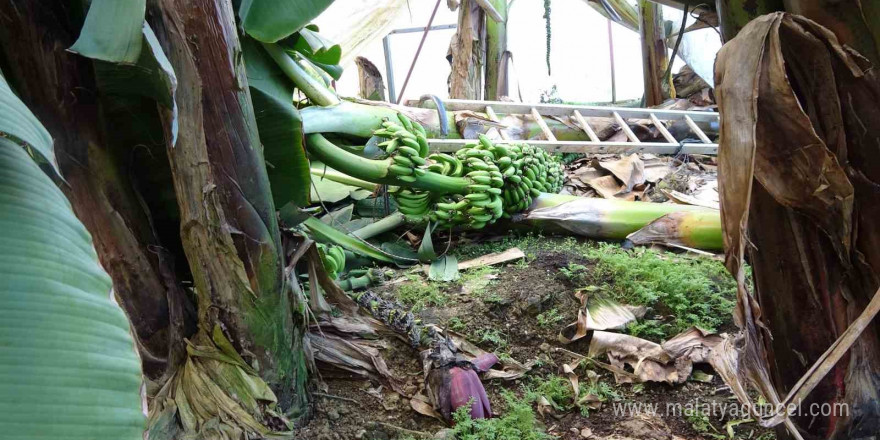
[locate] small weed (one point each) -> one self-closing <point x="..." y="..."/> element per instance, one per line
<point x="575" y="273"/>
<point x="602" y="390"/>
<point x="419" y="294"/>
<point x="549" y="318"/>
<point x="455" y="324"/>
<point x="494" y="337"/>
<point x="518" y="422"/>
<point x="557" y="390"/>
<point x="700" y="422"/>
<point x="478" y="279"/>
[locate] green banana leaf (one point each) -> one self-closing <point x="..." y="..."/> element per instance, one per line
<point x="17" y="122"/>
<point x="319" y="51"/>
<point x="112" y="31"/>
<point x="280" y="126"/>
<point x="68" y="367"/>
<point x="272" y="20"/>
<point x="152" y="77"/>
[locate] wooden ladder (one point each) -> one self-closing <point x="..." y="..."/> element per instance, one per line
<point x="550" y="143"/>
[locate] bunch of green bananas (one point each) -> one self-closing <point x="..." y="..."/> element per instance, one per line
<point x="506" y="178"/>
<point x="333" y="258"/>
<point x="414" y="204"/>
<point x="406" y="145"/>
<point x="482" y="204"/>
<point x="529" y="172"/>
<point x="501" y="179"/>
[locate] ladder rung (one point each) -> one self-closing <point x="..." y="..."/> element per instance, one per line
<point x="696" y="130"/>
<point x="625" y="127"/>
<point x="585" y="126"/>
<point x="494" y="118"/>
<point x="538" y="119"/>
<point x="662" y="129"/>
<point x="451" y="145"/>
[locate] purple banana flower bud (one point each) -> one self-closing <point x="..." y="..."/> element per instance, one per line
<point x="465" y="387"/>
<point x="484" y="362"/>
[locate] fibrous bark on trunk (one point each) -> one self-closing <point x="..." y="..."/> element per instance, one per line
<point x="658" y="87"/>
<point x="466" y="52"/>
<point x="228" y="223"/>
<point x="59" y="86"/>
<point x="371" y="86"/>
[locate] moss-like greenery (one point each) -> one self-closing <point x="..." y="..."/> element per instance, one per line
<point x="419" y="294"/>
<point x="518" y="422"/>
<point x="679" y="291"/>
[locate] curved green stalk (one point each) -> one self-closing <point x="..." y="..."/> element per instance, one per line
<point x="389" y="223"/>
<point x="313" y="89"/>
<point x="377" y="170"/>
<point x="318" y="169"/>
<point x="325" y="233"/>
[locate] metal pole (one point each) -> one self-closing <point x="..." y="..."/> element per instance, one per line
<point x="389" y="69"/>
<point x="611" y="53"/>
<point x="418" y="51"/>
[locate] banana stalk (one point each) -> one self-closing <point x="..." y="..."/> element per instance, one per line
<point x="641" y="222"/>
<point x="319" y="170"/>
<point x="380" y="171"/>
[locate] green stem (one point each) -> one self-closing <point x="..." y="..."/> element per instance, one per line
<point x="616" y="219"/>
<point x="393" y="221"/>
<point x="318" y="169"/>
<point x="377" y="170"/>
<point x="313" y="89"/>
<point x="325" y="233"/>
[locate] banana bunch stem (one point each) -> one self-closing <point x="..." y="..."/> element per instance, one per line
<point x="378" y="170"/>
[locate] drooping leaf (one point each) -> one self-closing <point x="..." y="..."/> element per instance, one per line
<point x="68" y="368"/>
<point x="325" y="233"/>
<point x="320" y="52"/>
<point x="17" y="121"/>
<point x="328" y="191"/>
<point x="271" y="20"/>
<point x="444" y="268"/>
<point x="279" y="125"/>
<point x="426" y="248"/>
<point x="315" y="47"/>
<point x="152" y="76"/>
<point x="339" y="217"/>
<point x="112" y="31"/>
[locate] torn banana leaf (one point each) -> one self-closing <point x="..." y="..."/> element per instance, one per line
<point x="687" y="230"/>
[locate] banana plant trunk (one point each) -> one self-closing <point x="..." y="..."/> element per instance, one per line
<point x="466" y="51"/>
<point x="496" y="56"/>
<point x="59" y="86"/>
<point x="798" y="175"/>
<point x="655" y="60"/>
<point x="228" y="223"/>
<point x="734" y="14"/>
